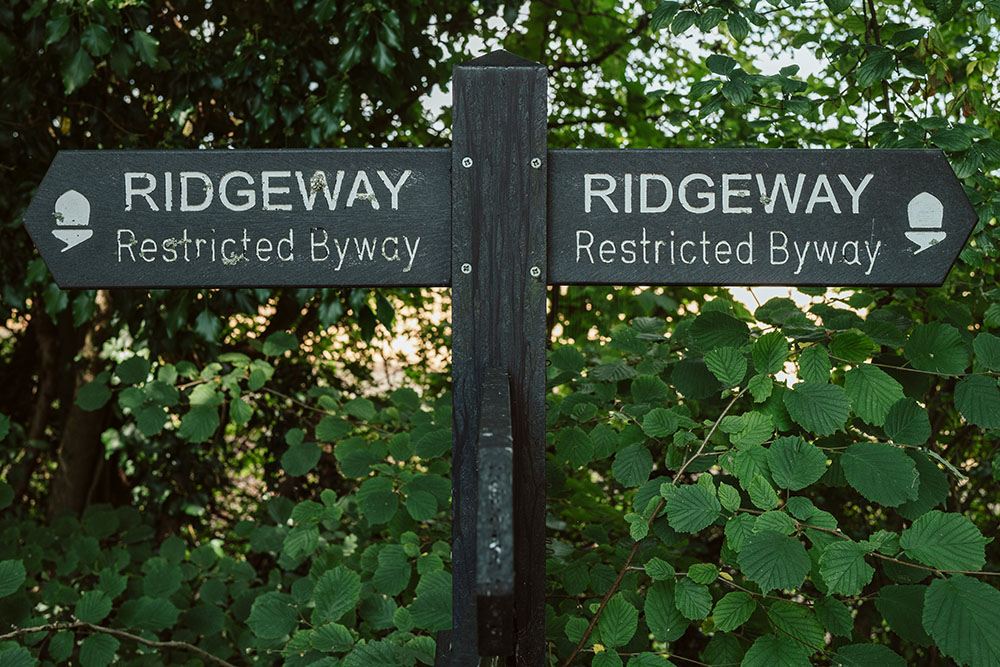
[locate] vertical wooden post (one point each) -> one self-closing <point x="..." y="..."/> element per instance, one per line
<point x="499" y="146"/>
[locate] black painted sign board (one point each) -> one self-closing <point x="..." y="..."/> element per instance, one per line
<point x="754" y="217"/>
<point x="260" y="218"/>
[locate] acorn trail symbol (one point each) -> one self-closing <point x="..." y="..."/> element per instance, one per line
<point x="72" y="214"/>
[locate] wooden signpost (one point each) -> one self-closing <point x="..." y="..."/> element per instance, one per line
<point x="498" y="217"/>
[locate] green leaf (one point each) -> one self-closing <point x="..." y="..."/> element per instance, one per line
<point x="96" y="39"/>
<point x="844" y="569"/>
<point x="773" y="560"/>
<point x="820" y="408"/>
<point x="692" y="508"/>
<point x="240" y="412"/>
<point x="271" y="616"/>
<point x="300" y="541"/>
<point x="902" y="607"/>
<point x="799" y="622"/>
<point x="661" y="614"/>
<point x="978" y="399"/>
<point x="663" y="14"/>
<point x="881" y="473"/>
<point x="433" y="444"/>
<point x="770" y="352"/>
<point x="162" y="578"/>
<point x="729" y="497"/>
<point x="960" y="614"/>
<point x="378" y="500"/>
<point x="755" y="428"/>
<point x="987" y="351"/>
<point x="607" y="658"/>
<point x="332" y="429"/>
<point x="762" y="494"/>
<point x="574" y="446"/>
<point x="421" y="505"/>
<point x="146" y="46"/>
<point x="659" y="569"/>
<point x="337" y="592"/>
<point x="873" y="392"/>
<point x="432" y="608"/>
<point x="834" y="616"/>
<point x="937" y="347"/>
<point x="760" y="387"/>
<point x="738" y="26"/>
<point x="838" y="6"/>
<point x="56" y="28"/>
<point x="199" y="424"/>
<point x="877" y="66"/>
<point x="951" y="139"/>
<point x="278" y="343"/>
<point x="945" y="541"/>
<point x="852" y="345"/>
<point x="60" y="646"/>
<point x="775" y="651"/>
<point x="618" y="622"/>
<point x="98" y="650"/>
<point x="332" y="638"/>
<point x="814" y="364"/>
<point x="933" y="487"/>
<point x="775" y="520"/>
<point x="737" y="92"/>
<point x="682" y="21"/>
<point x="703" y="573"/>
<point x="133" y="370"/>
<point x="659" y="423"/>
<point x="738" y="529"/>
<point x="727" y="364"/>
<point x="692" y="599"/>
<point x="12" y="575"/>
<point x="795" y="463"/>
<point x="393" y="573"/>
<point x="649" y="389"/>
<point x="93" y="607"/>
<point x="301" y="458"/>
<point x="868" y="655"/>
<point x="93" y="395"/>
<point x="733" y="610"/>
<point x="907" y="423"/>
<point x="714" y="329"/>
<point x="148" y="613"/>
<point x="77" y="71"/>
<point x="632" y="465"/>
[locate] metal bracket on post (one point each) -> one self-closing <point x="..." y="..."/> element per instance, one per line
<point x="495" y="521"/>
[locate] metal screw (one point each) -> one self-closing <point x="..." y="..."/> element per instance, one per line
<point x="467" y="268"/>
<point x="467" y="162"/>
<point x="536" y="163"/>
<point x="535" y="271"/>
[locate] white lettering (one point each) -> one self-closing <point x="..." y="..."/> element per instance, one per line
<point x="589" y="192"/>
<point x="394" y="188"/>
<point x="186" y="204"/>
<point x="644" y="206"/>
<point x="267" y="190"/>
<point x="131" y="190"/>
<point x="728" y="194"/>
<point x="249" y="196"/>
<point x="707" y="197"/>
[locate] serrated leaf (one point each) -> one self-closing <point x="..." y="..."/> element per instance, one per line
<point x="902" y="607"/>
<point x="729" y="497"/>
<point x="945" y="541"/>
<point x="393" y="573"/>
<point x="760" y="387"/>
<point x="632" y="465"/>
<point x="337" y="591"/>
<point x="93" y="607"/>
<point x="820" y="408"/>
<point x="727" y="364"/>
<point x="844" y="569"/>
<point x="146" y="46"/>
<point x="661" y="614"/>
<point x="906" y="423"/>
<point x="814" y="364"/>
<point x="775" y="520"/>
<point x="733" y="610"/>
<point x="98" y="650"/>
<point x="271" y="616"/>
<point x="659" y="569"/>
<point x="649" y="389"/>
<point x="300" y="541"/>
<point x="332" y="638"/>
<point x="618" y="622"/>
<point x="799" y="622"/>
<point x="77" y="70"/>
<point x="773" y="560"/>
<point x="715" y="329"/>
<point x="834" y="616"/>
<point x="12" y="575"/>
<point x="148" y="613"/>
<point x="770" y="352"/>
<point x="60" y="646"/>
<point x="738" y="92"/>
<point x="93" y="395"/>
<point x="755" y="428"/>
<point x="852" y="345"/>
<point x="868" y="655"/>
<point x="937" y="347"/>
<point x="703" y="573"/>
<point x="872" y="392"/>
<point x="692" y="599"/>
<point x="574" y="446"/>
<point x="431" y="610"/>
<point x="775" y="651"/>
<point x="659" y="423"/>
<point x="199" y="424"/>
<point x="932" y="490"/>
<point x="877" y="66"/>
<point x="332" y="429"/>
<point x="762" y="494"/>
<point x="960" y="614"/>
<point x="692" y="508"/>
<point x="738" y="529"/>
<point x="977" y="397"/>
<point x="301" y="458"/>
<point x="795" y="463"/>
<point x="987" y="351"/>
<point x="881" y="473"/>
<point x="421" y="505"/>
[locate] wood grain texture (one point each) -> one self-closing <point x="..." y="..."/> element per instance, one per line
<point x="498" y="321"/>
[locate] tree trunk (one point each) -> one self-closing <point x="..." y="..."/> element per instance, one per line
<point x="81" y="451"/>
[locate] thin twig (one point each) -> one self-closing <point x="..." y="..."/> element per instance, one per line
<point x="184" y="646"/>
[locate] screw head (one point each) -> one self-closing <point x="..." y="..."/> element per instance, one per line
<point x="467" y="162"/>
<point x="536" y="163"/>
<point x="467" y="268"/>
<point x="535" y="271"/>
